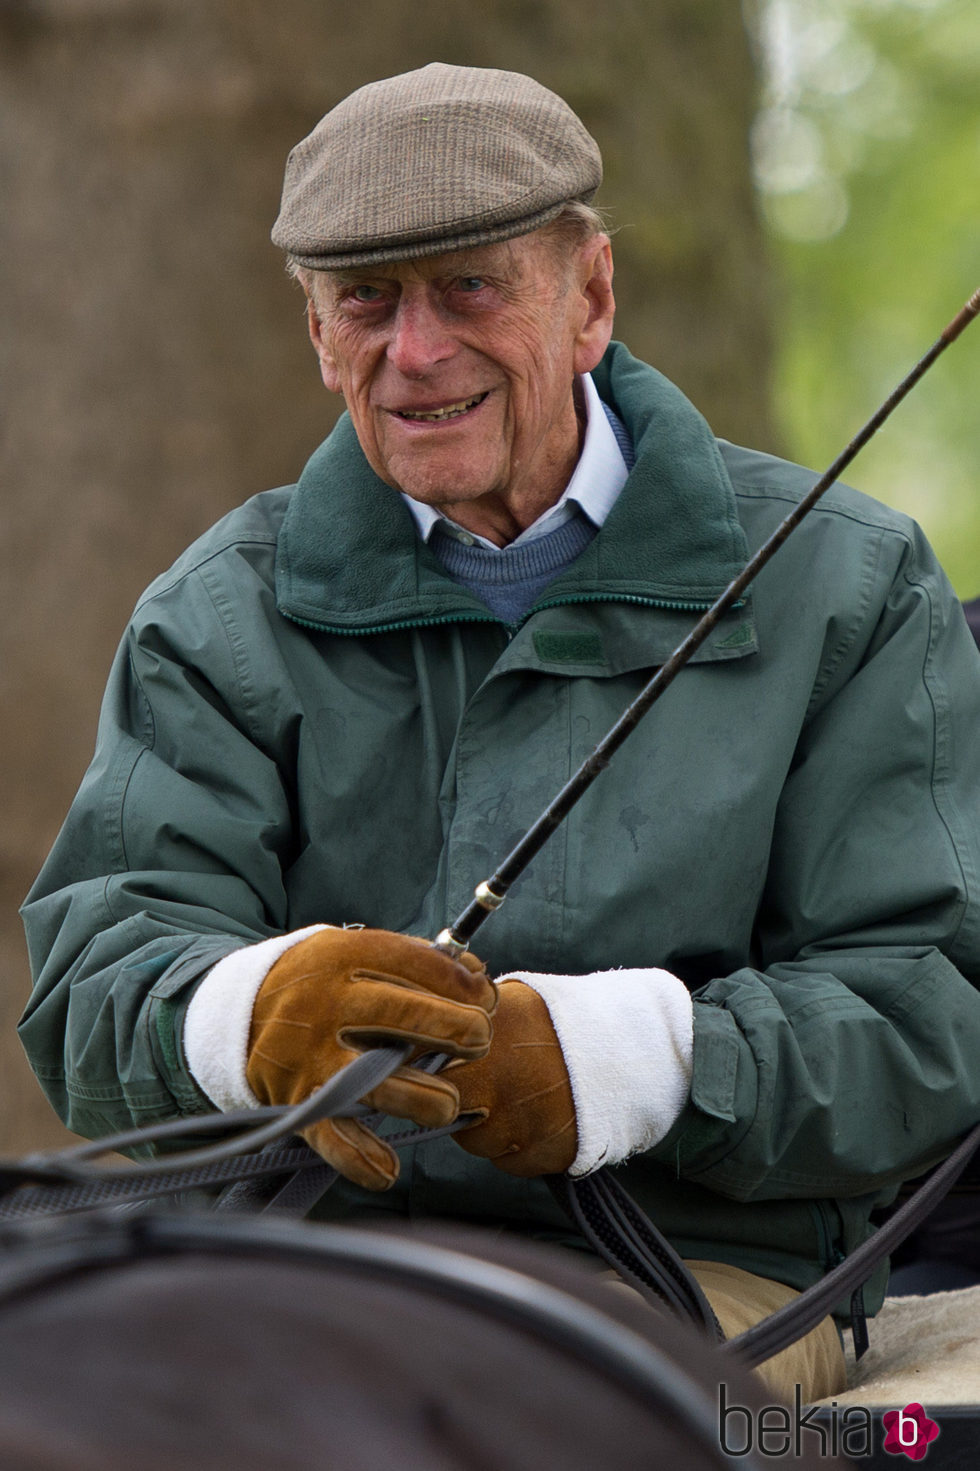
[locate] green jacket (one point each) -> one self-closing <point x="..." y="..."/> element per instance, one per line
<point x="308" y="721"/>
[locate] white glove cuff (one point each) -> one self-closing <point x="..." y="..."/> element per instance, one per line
<point x="219" y="1017"/>
<point x="628" y="1041"/>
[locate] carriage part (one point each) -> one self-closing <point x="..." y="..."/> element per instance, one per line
<point x="177" y="1342"/>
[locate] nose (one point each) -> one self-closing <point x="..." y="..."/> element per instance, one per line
<point x="420" y="336"/>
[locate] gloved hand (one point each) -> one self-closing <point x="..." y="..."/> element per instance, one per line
<point x="521" y="1088"/>
<point x="336" y="993"/>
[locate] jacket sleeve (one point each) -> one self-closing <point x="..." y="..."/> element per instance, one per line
<point x="171" y="856"/>
<point x="848" y="1057"/>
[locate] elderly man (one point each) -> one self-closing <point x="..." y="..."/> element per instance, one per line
<point x="743" y="970"/>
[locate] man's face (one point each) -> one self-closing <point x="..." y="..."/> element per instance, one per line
<point x="457" y="369"/>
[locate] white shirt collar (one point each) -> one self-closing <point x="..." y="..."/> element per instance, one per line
<point x="596" y="482"/>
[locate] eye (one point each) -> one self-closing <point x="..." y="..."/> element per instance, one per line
<point x="471" y="283"/>
<point x="366" y="293"/>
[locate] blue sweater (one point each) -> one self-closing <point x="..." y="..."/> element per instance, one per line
<point x="510" y="581"/>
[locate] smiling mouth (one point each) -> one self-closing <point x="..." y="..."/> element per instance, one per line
<point x="435" y="416"/>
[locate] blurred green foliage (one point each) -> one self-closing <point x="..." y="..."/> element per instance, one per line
<point x="867" y="152"/>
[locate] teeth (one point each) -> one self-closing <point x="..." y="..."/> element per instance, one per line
<point x="449" y="412"/>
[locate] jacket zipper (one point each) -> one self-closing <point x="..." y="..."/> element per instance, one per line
<point x="395" y="627"/>
<point x="664" y="604"/>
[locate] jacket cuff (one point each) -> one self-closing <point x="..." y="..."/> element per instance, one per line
<point x="628" y="1041"/>
<point x="219" y="1017"/>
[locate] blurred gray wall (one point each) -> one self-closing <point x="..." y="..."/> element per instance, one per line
<point x="154" y="368"/>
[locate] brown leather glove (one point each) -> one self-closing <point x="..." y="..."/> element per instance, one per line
<point x="339" y="992"/>
<point x="521" y="1087"/>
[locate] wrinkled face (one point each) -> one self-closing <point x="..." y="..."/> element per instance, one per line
<point x="457" y="369"/>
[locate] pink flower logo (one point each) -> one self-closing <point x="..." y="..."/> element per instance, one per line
<point x="909" y="1432"/>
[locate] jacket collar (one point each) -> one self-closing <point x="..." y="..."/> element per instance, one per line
<point x="349" y="559"/>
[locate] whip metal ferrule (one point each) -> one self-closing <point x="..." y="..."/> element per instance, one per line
<point x="486" y="898"/>
<point x="447" y="942"/>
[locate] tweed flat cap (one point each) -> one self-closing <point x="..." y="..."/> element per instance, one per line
<point x="434" y="160"/>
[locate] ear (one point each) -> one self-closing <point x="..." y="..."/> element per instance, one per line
<point x="328" y="368"/>
<point x="595" y="281"/>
